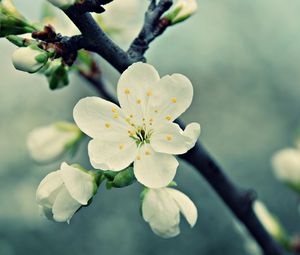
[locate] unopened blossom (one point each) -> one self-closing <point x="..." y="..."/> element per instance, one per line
<point x="61" y="193"/>
<point x="29" y="59"/>
<point x="62" y="4"/>
<point x="49" y="142"/>
<point x="182" y="10"/>
<point x="11" y="21"/>
<point x="269" y="221"/>
<point x="161" y="208"/>
<point x="286" y="165"/>
<point x="141" y="131"/>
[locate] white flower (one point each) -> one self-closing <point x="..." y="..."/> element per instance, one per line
<point x="49" y="142"/>
<point x="62" y="4"/>
<point x="142" y="130"/>
<point x="269" y="221"/>
<point x="61" y="193"/>
<point x="29" y="59"/>
<point x="182" y="10"/>
<point x="286" y="164"/>
<point x="161" y="208"/>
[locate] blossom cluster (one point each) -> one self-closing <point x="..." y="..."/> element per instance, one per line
<point x="134" y="141"/>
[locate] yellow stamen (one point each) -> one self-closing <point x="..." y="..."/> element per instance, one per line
<point x="138" y="101"/>
<point x="116" y="115"/>
<point x="173" y="100"/>
<point x="147" y="152"/>
<point x="168" y="117"/>
<point x="121" y="146"/>
<point x="138" y="158"/>
<point x="107" y="125"/>
<point x="169" y="138"/>
<point x="149" y="93"/>
<point x="114" y="109"/>
<point x="127" y="91"/>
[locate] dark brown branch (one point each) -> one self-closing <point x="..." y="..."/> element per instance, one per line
<point x="238" y="200"/>
<point x="154" y="25"/>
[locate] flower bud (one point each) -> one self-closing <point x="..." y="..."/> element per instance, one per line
<point x="63" y="192"/>
<point x="57" y="74"/>
<point x="270" y="222"/>
<point x="29" y="59"/>
<point x="49" y="142"/>
<point x="11" y="21"/>
<point x="286" y="165"/>
<point x="182" y="10"/>
<point x="62" y="4"/>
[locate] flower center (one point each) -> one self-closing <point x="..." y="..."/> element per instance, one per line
<point x="140" y="134"/>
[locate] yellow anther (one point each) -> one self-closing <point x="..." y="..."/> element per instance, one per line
<point x="138" y="158"/>
<point x="127" y="119"/>
<point x="169" y="138"/>
<point x="138" y="101"/>
<point x="127" y="91"/>
<point x="149" y="93"/>
<point x="168" y="117"/>
<point x="131" y="133"/>
<point x="107" y="125"/>
<point x="143" y="119"/>
<point x="121" y="146"/>
<point x="173" y="100"/>
<point x="116" y="115"/>
<point x="147" y="152"/>
<point x="131" y="116"/>
<point x="156" y="111"/>
<point x="132" y="125"/>
<point x="114" y="109"/>
<point x="151" y="120"/>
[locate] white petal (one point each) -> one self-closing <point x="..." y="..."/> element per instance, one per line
<point x="186" y="205"/>
<point x="171" y="97"/>
<point x="64" y="206"/>
<point x="153" y="169"/>
<point x="79" y="184"/>
<point x="49" y="188"/>
<point x="286" y="164"/>
<point x="160" y="210"/>
<point x="133" y="86"/>
<point x="171" y="139"/>
<point x="97" y="117"/>
<point x="114" y="153"/>
<point x="48" y="142"/>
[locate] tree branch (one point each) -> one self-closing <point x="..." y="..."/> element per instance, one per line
<point x="238" y="200"/>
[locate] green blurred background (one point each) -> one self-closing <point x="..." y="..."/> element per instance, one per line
<point x="243" y="59"/>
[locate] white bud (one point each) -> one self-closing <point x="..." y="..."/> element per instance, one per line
<point x="182" y="10"/>
<point x="269" y="221"/>
<point x="161" y="208"/>
<point x="61" y="193"/>
<point x="49" y="142"/>
<point x="286" y="165"/>
<point x="29" y="59"/>
<point x="62" y="4"/>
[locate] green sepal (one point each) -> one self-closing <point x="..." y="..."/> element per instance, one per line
<point x="42" y="58"/>
<point x="19" y="41"/>
<point x="124" y="178"/>
<point x="109" y="185"/>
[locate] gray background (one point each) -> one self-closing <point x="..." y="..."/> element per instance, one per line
<point x="243" y="59"/>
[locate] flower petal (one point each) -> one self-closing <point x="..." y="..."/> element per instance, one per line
<point x="79" y="184"/>
<point x="169" y="138"/>
<point x="64" y="206"/>
<point x="186" y="205"/>
<point x="112" y="153"/>
<point x="97" y="117"/>
<point x="160" y="210"/>
<point x="133" y="89"/>
<point x="49" y="188"/>
<point x="154" y="170"/>
<point x="171" y="97"/>
<point x="48" y="142"/>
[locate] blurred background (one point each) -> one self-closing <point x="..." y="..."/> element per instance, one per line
<point x="243" y="59"/>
